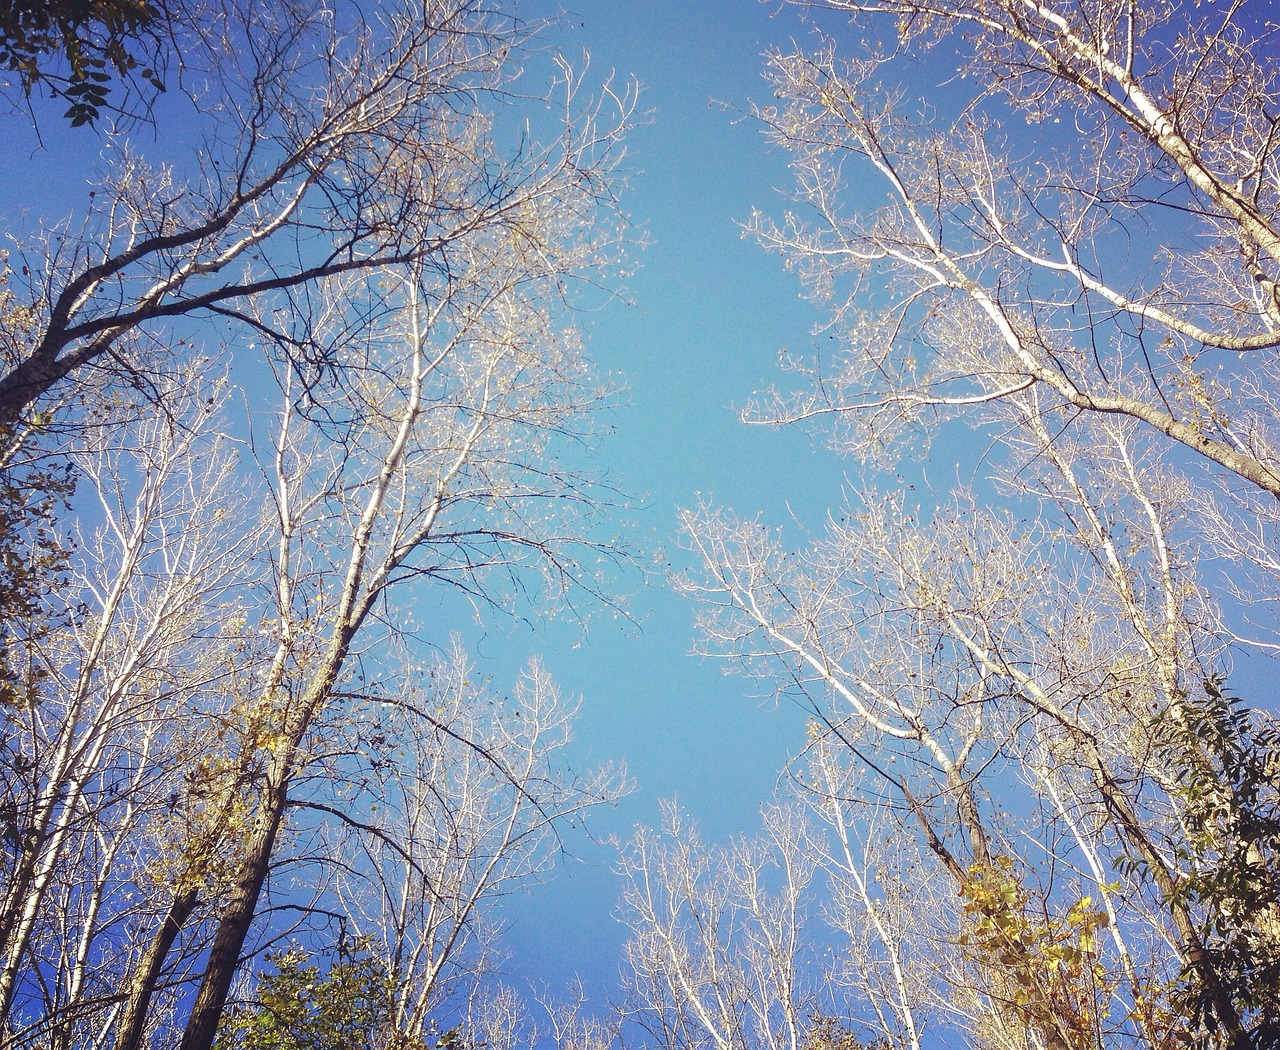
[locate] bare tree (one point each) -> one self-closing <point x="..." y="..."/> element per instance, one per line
<point x="462" y="804"/>
<point x="717" y="957"/>
<point x="411" y="384"/>
<point x="815" y="930"/>
<point x="419" y="813"/>
<point x="956" y="657"/>
<point x="132" y="679"/>
<point x="327" y="145"/>
<point x="999" y="270"/>
<point x="1101" y="298"/>
<point x="433" y="462"/>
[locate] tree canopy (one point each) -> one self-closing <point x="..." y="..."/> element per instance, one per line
<point x="304" y="378"/>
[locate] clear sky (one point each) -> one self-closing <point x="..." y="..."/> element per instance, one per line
<point x="708" y="313"/>
<point x="706" y="316"/>
<point x="698" y="329"/>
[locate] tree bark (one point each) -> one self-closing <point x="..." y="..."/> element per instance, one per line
<point x="237" y="916"/>
<point x="132" y="1023"/>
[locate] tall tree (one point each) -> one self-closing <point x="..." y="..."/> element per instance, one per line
<point x="398" y="285"/>
<point x="1079" y="255"/>
<point x="718" y="955"/>
<point x="449" y="796"/>
<point x="467" y="807"/>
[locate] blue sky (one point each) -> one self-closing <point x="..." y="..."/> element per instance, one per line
<point x="697" y="330"/>
<point x="707" y="314"/>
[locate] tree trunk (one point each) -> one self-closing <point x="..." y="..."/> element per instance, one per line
<point x="133" y="1020"/>
<point x="238" y="915"/>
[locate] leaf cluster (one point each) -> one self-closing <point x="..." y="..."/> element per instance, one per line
<point x="303" y="1004"/>
<point x="1046" y="969"/>
<point x="97" y="39"/>
<point x="1226" y="758"/>
<point x="829" y="1033"/>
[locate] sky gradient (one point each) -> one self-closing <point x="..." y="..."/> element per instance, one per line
<point x="707" y="313"/>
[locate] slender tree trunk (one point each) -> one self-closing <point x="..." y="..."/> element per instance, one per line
<point x="13" y="930"/>
<point x="238" y="915"/>
<point x="142" y="987"/>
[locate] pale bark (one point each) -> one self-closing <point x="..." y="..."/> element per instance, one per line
<point x="425" y="380"/>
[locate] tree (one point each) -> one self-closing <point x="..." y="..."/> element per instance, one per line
<point x="96" y="38"/>
<point x="128" y="682"/>
<point x="716" y="957"/>
<point x="411" y="381"/>
<point x="468" y="806"/>
<point x="326" y="146"/>
<point x="301" y="1008"/>
<point x="1222" y="756"/>
<point x="449" y="799"/>
<point x="1186" y="147"/>
<point x="1100" y="299"/>
<point x="32" y="490"/>
<point x="801" y="936"/>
